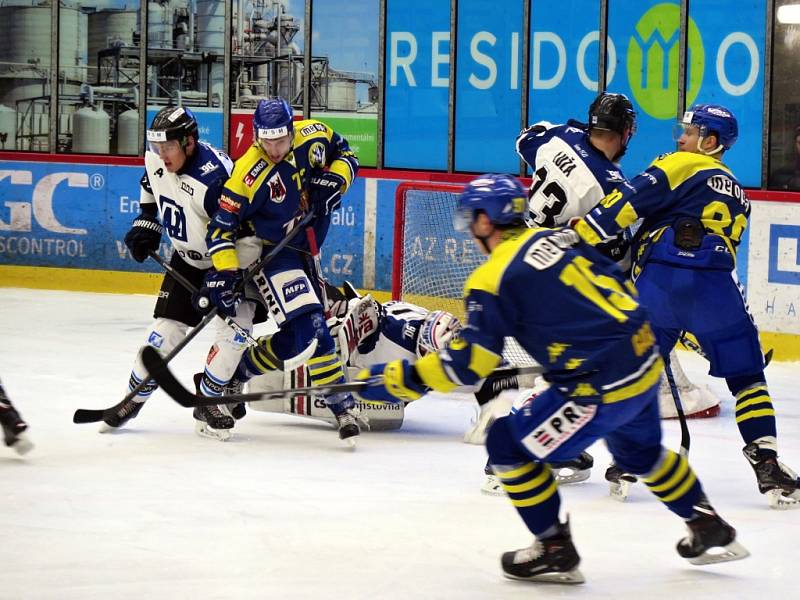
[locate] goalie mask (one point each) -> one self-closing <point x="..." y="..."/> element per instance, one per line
<point x="436" y="331"/>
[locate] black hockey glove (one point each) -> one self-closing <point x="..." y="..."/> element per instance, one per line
<point x="326" y="192"/>
<point x="219" y="290"/>
<point x="492" y="387"/>
<point x="143" y="237"/>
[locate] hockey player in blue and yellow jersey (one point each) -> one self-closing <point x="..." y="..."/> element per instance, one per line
<point x="599" y="354"/>
<point x="290" y="169"/>
<point x="694" y="213"/>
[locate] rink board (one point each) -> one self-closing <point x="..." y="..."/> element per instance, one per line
<point x="72" y="218"/>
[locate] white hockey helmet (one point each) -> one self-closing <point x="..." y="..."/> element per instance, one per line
<point x="436" y="330"/>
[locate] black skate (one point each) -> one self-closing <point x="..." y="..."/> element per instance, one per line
<point x="235" y="387"/>
<point x="119" y="414"/>
<point x="711" y="540"/>
<point x="775" y="480"/>
<point x="348" y="426"/>
<point x="573" y="471"/>
<point x="14" y="428"/>
<point x="551" y="560"/>
<point x="619" y="482"/>
<point x="214" y="421"/>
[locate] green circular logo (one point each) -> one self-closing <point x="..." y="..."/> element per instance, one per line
<point x="653" y="55"/>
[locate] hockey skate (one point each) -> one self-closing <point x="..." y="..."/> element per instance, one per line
<point x="119" y="414"/>
<point x="349" y="429"/>
<point x="238" y="410"/>
<point x="551" y="560"/>
<point x="14" y="429"/>
<point x="619" y="482"/>
<point x="573" y="471"/>
<point x="776" y="481"/>
<point x="213" y="422"/>
<point x="711" y="540"/>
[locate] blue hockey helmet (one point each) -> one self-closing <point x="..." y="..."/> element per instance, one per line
<point x="711" y="119"/>
<point x="272" y="119"/>
<point x="501" y="197"/>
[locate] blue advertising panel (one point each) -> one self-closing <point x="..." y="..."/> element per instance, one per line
<point x="564" y="58"/>
<point x="642" y="62"/>
<point x="417" y="80"/>
<point x="209" y="122"/>
<point x="733" y="43"/>
<point x="488" y="86"/>
<point x="68" y="215"/>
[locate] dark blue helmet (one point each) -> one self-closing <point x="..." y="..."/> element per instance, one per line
<point x="501" y="197"/>
<point x="173" y="123"/>
<point x="713" y="119"/>
<point x="272" y="119"/>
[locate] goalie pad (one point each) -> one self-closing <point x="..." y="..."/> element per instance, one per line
<point x="698" y="402"/>
<point x="382" y="417"/>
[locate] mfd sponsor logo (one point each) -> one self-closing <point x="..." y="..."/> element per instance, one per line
<point x="294" y="288"/>
<point x="22" y="213"/>
<point x="784" y="254"/>
<point x="187" y="188"/>
<point x="253" y="174"/>
<point x="312" y="128"/>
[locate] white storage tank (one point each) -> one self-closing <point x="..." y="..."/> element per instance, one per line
<point x="128" y="133"/>
<point x="90" y="131"/>
<point x="8" y="128"/>
<point x="159" y="25"/>
<point x="341" y="94"/>
<point x="111" y="28"/>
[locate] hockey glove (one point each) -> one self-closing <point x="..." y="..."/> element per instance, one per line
<point x="143" y="237"/>
<point x="393" y="382"/>
<point x="219" y="290"/>
<point x="326" y="192"/>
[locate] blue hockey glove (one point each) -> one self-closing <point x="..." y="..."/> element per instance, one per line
<point x="143" y="237"/>
<point x="394" y="382"/>
<point x="326" y="192"/>
<point x="218" y="290"/>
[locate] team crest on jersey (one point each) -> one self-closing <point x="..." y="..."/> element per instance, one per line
<point x="253" y="174"/>
<point x="294" y="288"/>
<point x="316" y="155"/>
<point x="277" y="190"/>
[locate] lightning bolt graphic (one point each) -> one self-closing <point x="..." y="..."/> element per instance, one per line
<point x="239" y="134"/>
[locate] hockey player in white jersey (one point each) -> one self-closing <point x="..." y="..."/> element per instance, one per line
<point x="180" y="189"/>
<point x="575" y="166"/>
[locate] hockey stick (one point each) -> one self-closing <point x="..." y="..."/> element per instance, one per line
<point x="316" y="265"/>
<point x="241" y="331"/>
<point x="84" y="415"/>
<point x="159" y="371"/>
<point x="673" y="388"/>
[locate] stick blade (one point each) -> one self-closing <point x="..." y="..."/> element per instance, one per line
<point x="159" y="371"/>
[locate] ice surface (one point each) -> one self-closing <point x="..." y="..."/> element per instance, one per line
<point x="285" y="510"/>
